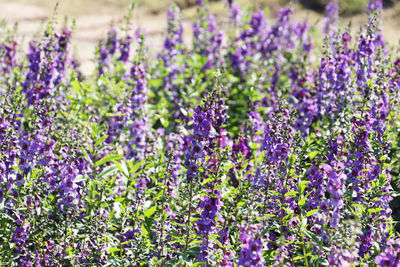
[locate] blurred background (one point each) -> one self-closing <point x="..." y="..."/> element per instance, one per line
<point x="94" y="17"/>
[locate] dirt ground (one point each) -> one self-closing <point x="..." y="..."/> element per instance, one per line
<point x="94" y="17"/>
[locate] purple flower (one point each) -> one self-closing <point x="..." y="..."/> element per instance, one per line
<point x="331" y="9"/>
<point x="277" y="139"/>
<point x="251" y="253"/>
<point x="374" y="5"/>
<point x="208" y="41"/>
<point x="390" y="256"/>
<point x="136" y="113"/>
<point x="124" y="48"/>
<point x="235" y="14"/>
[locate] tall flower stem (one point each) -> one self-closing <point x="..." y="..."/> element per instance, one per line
<point x="162" y="208"/>
<point x="189" y="215"/>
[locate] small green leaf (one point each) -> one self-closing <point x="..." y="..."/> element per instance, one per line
<point x="164" y="122"/>
<point x="311" y="212"/>
<point x="313" y="154"/>
<point x="86" y="155"/>
<point x="137" y="166"/>
<point x="374" y="210"/>
<point x="291" y="193"/>
<point x="107" y="171"/>
<point x="80" y="178"/>
<point x="112" y="250"/>
<point x="200" y="263"/>
<point x="303" y="186"/>
<point x="122" y="168"/>
<point x="184" y="112"/>
<point x="292" y="159"/>
<point x="100" y="140"/>
<point x="150" y="211"/>
<point x="107" y="159"/>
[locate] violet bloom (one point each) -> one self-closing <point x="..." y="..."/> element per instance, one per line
<point x="19" y="238"/>
<point x="210" y="207"/>
<point x="208" y="130"/>
<point x="364" y="62"/>
<point x="334" y="88"/>
<point x="117" y="123"/>
<point x="235" y="14"/>
<point x="208" y="41"/>
<point x="175" y="146"/>
<point x="249" y="42"/>
<point x="342" y="257"/>
<point x="251" y="254"/>
<point x="69" y="196"/>
<point x="34" y="58"/>
<point x="257" y="125"/>
<point x="317" y="186"/>
<point x="390" y="256"/>
<point x="276" y="144"/>
<point x="106" y="51"/>
<point x="46" y="72"/>
<point x="111" y="43"/>
<point x="332" y="13"/>
<point x="138" y="129"/>
<point x="199" y="140"/>
<point x="124" y="48"/>
<point x="374" y="5"/>
<point x="374" y="12"/>
<point x="366" y="240"/>
<point x="279" y="35"/>
<point x="8" y="56"/>
<point x="336" y="189"/>
<point x="172" y="47"/>
<point x="62" y="56"/>
<point x="277" y="140"/>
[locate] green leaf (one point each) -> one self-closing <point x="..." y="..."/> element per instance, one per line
<point x="302" y="201"/>
<point x="107" y="159"/>
<point x="313" y="154"/>
<point x="183" y="111"/>
<point x="76" y="86"/>
<point x="197" y="264"/>
<point x="107" y="171"/>
<point x="291" y="193"/>
<point x="292" y="159"/>
<point x="311" y="212"/>
<point x="229" y="166"/>
<point x="122" y="168"/>
<point x="86" y="155"/>
<point x="137" y="166"/>
<point x="150" y="211"/>
<point x="112" y="250"/>
<point x="164" y="122"/>
<point x="100" y="140"/>
<point x="80" y="178"/>
<point x="374" y="210"/>
<point x="303" y="186"/>
<point x="276" y="193"/>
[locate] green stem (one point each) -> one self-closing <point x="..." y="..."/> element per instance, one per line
<point x="303" y="243"/>
<point x="189" y="215"/>
<point x="162" y="210"/>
